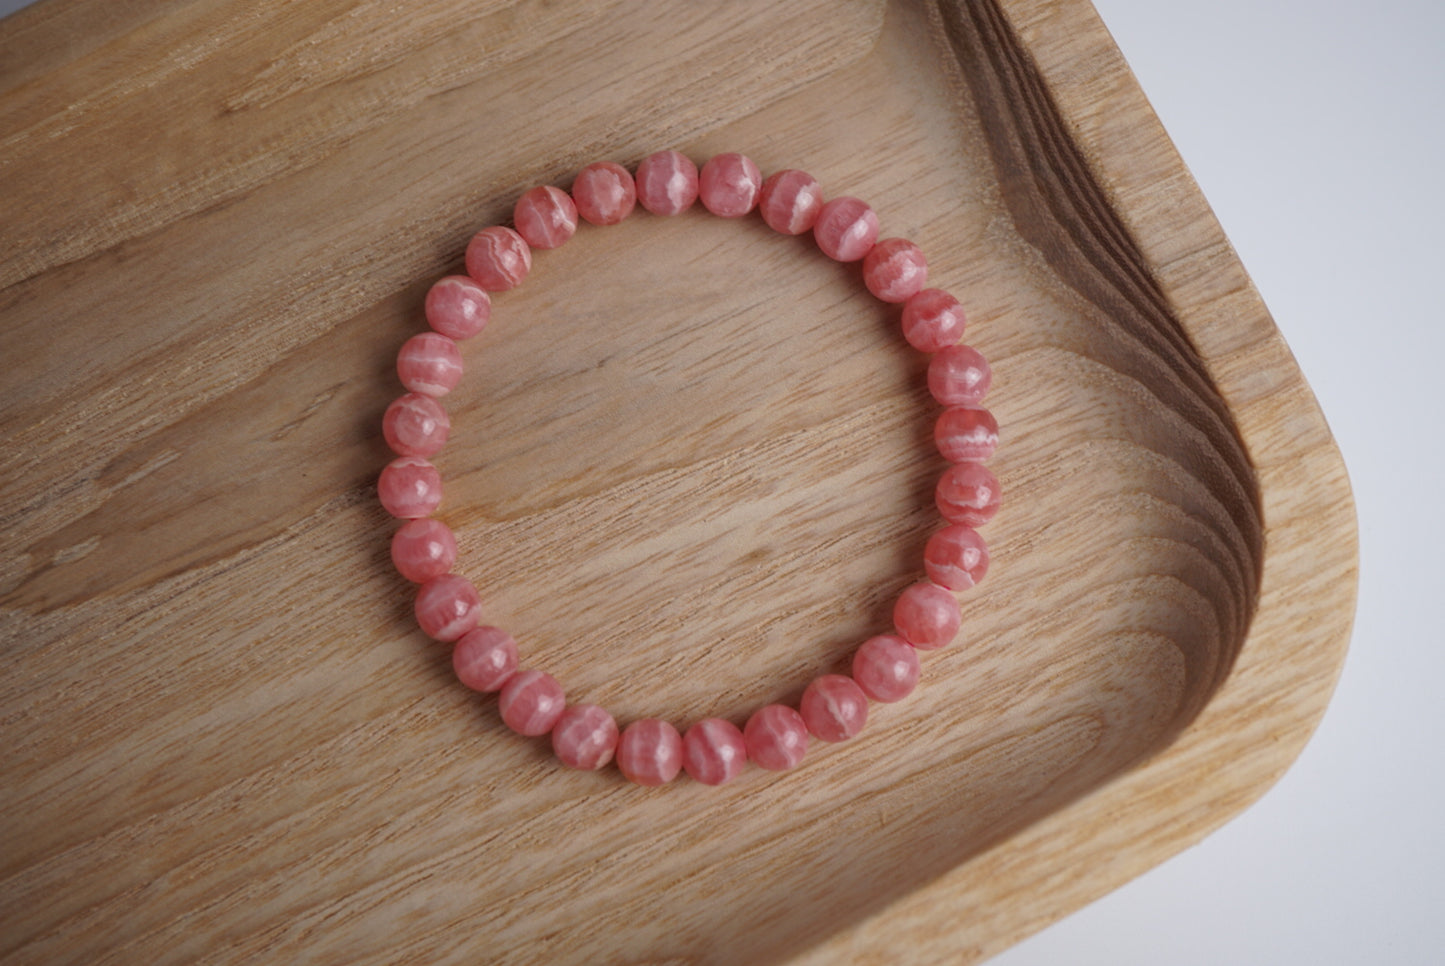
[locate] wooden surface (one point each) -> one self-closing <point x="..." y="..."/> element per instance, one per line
<point x="690" y="468"/>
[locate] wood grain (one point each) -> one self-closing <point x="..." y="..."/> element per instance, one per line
<point x="691" y="466"/>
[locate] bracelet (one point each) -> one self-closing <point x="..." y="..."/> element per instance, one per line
<point x="834" y="707"/>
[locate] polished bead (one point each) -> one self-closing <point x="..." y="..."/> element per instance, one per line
<point x="545" y="216"/>
<point x="430" y="364"/>
<point x="584" y="737"/>
<point x="604" y="193"/>
<point x="968" y="493"/>
<point x="776" y="736"/>
<point x="966" y="434"/>
<point x="790" y="201"/>
<point x="415" y="425"/>
<point x="846" y="229"/>
<point x="447" y="607"/>
<point x="927" y="616"/>
<point x="886" y="668"/>
<point x="895" y="270"/>
<point x="834" y="707"/>
<point x="713" y="751"/>
<point x="729" y="185"/>
<point x="956" y="557"/>
<point x="667" y="183"/>
<point x="409" y="487"/>
<point x="650" y="752"/>
<point x="531" y="702"/>
<point x="457" y="307"/>
<point x="485" y="658"/>
<point x="498" y="258"/>
<point x="959" y="375"/>
<point x="932" y="320"/>
<point x="423" y="549"/>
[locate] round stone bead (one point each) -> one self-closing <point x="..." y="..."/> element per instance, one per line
<point x="485" y="658"/>
<point x="415" y="425"/>
<point x="932" y="320"/>
<point x="713" y="751"/>
<point x="886" y="668"/>
<point x="429" y="364"/>
<point x="834" y="707"/>
<point x="776" y="737"/>
<point x="956" y="557"/>
<point x="604" y="193"/>
<point x="959" y="375"/>
<point x="457" y="307"/>
<point x="498" y="258"/>
<point x="531" y="702"/>
<point x="729" y="185"/>
<point x="410" y="487"/>
<point x="968" y="493"/>
<point x="650" y="752"/>
<point x="846" y="229"/>
<point x="447" y="607"/>
<point x="927" y="616"/>
<point x="584" y="737"/>
<point x="545" y="216"/>
<point x="895" y="270"/>
<point x="966" y="434"/>
<point x="790" y="201"/>
<point x="423" y="549"/>
<point x="667" y="183"/>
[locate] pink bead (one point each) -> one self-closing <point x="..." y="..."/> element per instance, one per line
<point x="956" y="557"/>
<point x="932" y="320"/>
<point x="457" y="307"/>
<point x="776" y="736"/>
<point x="430" y="364"/>
<point x="927" y="616"/>
<point x="713" y="751"/>
<point x="790" y="201"/>
<point x="895" y="270"/>
<point x="834" y="707"/>
<point x="447" y="607"/>
<point x="886" y="668"/>
<point x="966" y="434"/>
<point x="959" y="375"/>
<point x="531" y="702"/>
<point x="667" y="183"/>
<point x="729" y="185"/>
<point x="545" y="216"/>
<point x="485" y="658"/>
<point x="846" y="229"/>
<point x="498" y="258"/>
<point x="423" y="549"/>
<point x="409" y="487"/>
<point x="604" y="193"/>
<point x="415" y="425"/>
<point x="650" y="752"/>
<point x="968" y="493"/>
<point x="584" y="737"/>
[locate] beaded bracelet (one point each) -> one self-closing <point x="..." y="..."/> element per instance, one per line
<point x="834" y="707"/>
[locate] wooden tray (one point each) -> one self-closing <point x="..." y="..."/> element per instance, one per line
<point x="690" y="469"/>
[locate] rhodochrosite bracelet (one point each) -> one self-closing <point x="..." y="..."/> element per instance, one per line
<point x="448" y="608"/>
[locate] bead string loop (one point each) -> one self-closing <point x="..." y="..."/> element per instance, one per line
<point x="834" y="707"/>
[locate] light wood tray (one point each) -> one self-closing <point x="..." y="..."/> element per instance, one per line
<point x="690" y="469"/>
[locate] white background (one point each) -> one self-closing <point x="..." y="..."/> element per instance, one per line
<point x="1315" y="129"/>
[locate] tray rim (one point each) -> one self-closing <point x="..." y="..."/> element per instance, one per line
<point x="1266" y="708"/>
